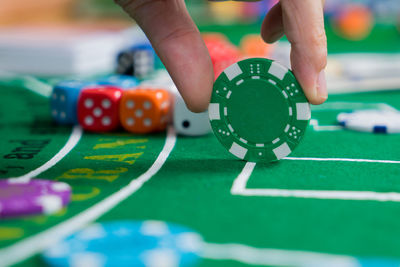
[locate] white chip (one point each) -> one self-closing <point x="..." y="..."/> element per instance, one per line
<point x="380" y="121"/>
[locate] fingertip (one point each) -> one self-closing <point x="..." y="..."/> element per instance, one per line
<point x="272" y="26"/>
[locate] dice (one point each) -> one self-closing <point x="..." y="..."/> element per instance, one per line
<point x="222" y="53"/>
<point x="120" y="81"/>
<point x="64" y="98"/>
<point x="145" y="110"/>
<point x="137" y="61"/>
<point x="189" y="123"/>
<point x="98" y="108"/>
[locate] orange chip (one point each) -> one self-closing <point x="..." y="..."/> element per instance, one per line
<point x="355" y="22"/>
<point x="252" y="45"/>
<point x="214" y="37"/>
<point x="145" y="110"/>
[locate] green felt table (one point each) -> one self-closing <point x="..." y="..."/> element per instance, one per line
<point x="337" y="194"/>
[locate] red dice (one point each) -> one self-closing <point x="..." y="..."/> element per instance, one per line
<point x="222" y="53"/>
<point x="98" y="108"/>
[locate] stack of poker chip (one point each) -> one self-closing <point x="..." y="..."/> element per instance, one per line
<point x="128" y="243"/>
<point x="258" y="110"/>
<point x="371" y="120"/>
<point x="21" y="197"/>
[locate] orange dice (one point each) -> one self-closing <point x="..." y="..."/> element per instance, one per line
<point x="145" y="110"/>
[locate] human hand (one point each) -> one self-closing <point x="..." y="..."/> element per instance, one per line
<point x="180" y="46"/>
<point x="303" y="24"/>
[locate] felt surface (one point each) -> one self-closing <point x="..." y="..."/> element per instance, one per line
<point x="193" y="187"/>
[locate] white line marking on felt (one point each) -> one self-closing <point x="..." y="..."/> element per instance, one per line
<point x="344" y="159"/>
<point x="322" y="128"/>
<point x="275" y="257"/>
<point x="240" y="183"/>
<point x="73" y="140"/>
<point x="35" y="244"/>
<point x="29" y="82"/>
<point x="352" y="106"/>
<point x="343" y="106"/>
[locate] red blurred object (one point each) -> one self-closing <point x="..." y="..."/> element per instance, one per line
<point x="222" y="53"/>
<point x="98" y="108"/>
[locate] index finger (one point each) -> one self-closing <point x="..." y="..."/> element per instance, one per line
<point x="178" y="43"/>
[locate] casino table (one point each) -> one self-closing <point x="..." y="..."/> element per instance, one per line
<point x="335" y="199"/>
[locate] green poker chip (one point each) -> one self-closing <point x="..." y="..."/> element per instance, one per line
<point x="258" y="110"/>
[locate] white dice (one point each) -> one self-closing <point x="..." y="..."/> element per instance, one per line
<point x="187" y="122"/>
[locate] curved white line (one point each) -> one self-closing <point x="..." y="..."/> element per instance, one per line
<point x="275" y="257"/>
<point x="73" y="140"/>
<point x="35" y="244"/>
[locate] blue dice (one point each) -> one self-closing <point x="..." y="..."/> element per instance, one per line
<point x="137" y="61"/>
<point x="64" y="100"/>
<point x="120" y="81"/>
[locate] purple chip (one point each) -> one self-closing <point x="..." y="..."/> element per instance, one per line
<point x="32" y="197"/>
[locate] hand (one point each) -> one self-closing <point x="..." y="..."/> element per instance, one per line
<point x="179" y="45"/>
<point x="303" y="23"/>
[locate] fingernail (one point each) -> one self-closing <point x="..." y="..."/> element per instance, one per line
<point x="274" y="36"/>
<point x="321" y="85"/>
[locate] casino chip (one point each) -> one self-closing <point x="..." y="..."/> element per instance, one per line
<point x="258" y="110"/>
<point x="127" y="243"/>
<point x="32" y="197"/>
<point x="371" y="120"/>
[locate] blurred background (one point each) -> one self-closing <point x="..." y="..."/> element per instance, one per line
<point x="363" y="36"/>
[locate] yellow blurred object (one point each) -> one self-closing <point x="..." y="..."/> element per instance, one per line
<point x="226" y="12"/>
<point x="355" y="22"/>
<point x="18" y="12"/>
<point x="252" y="45"/>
